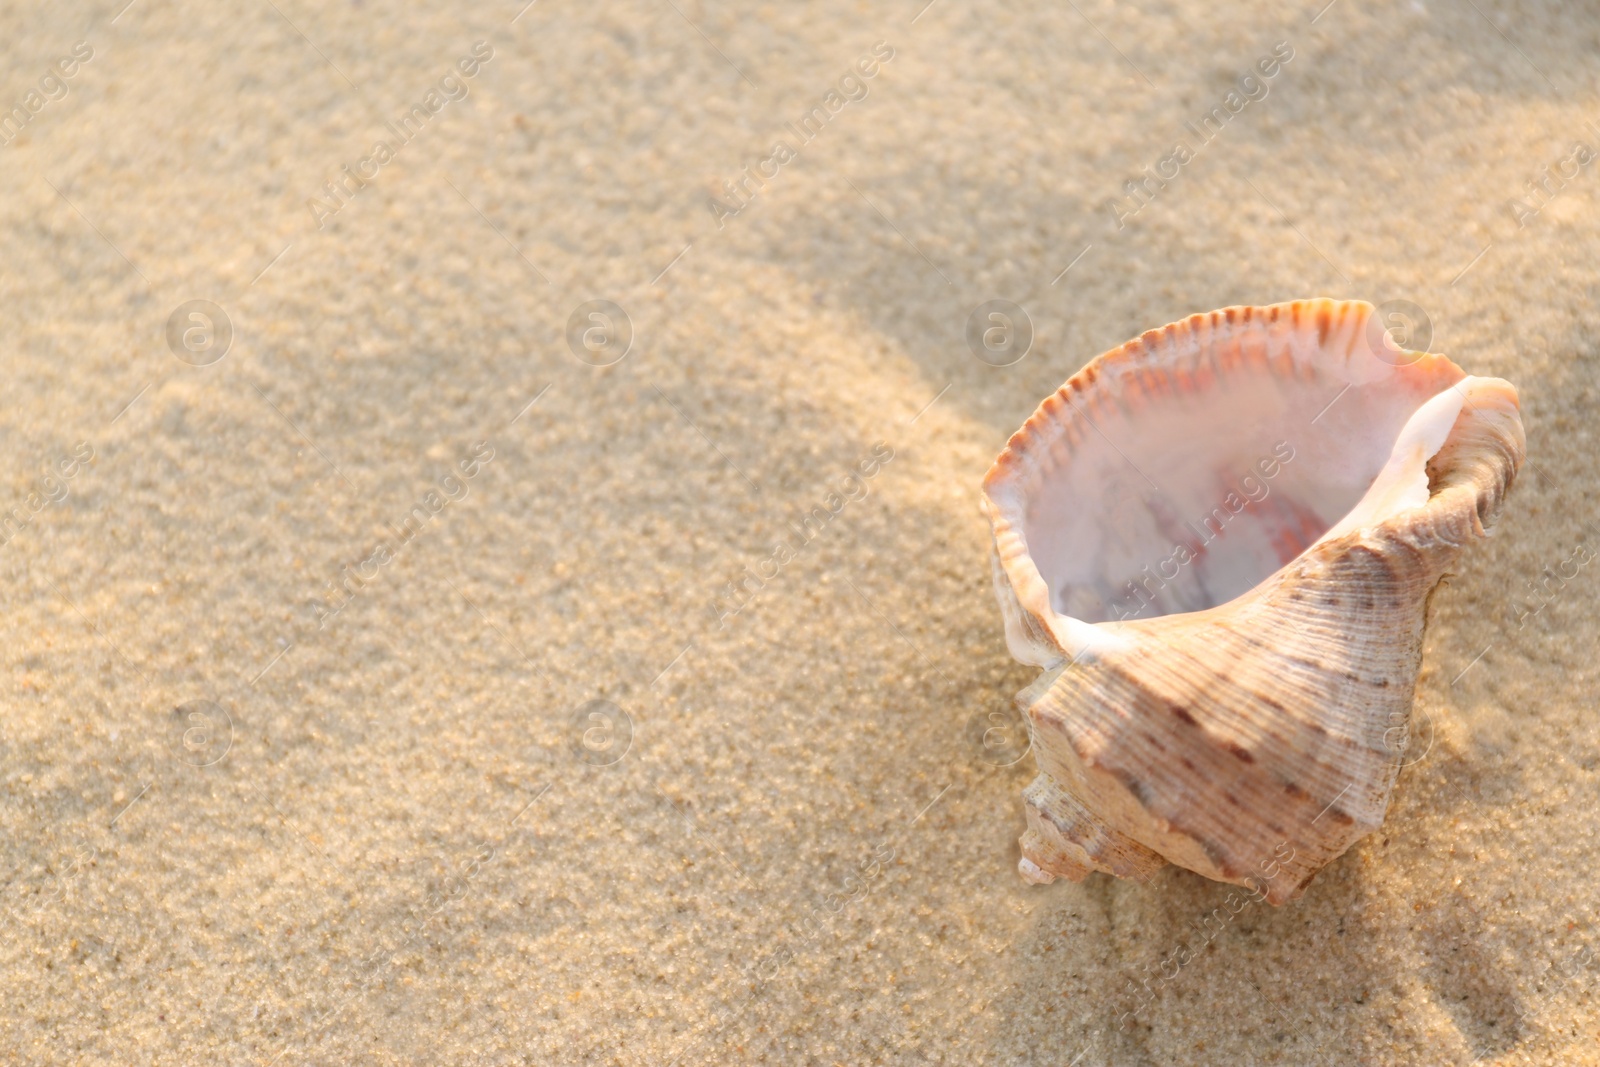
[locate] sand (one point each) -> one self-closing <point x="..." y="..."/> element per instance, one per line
<point x="251" y="819"/>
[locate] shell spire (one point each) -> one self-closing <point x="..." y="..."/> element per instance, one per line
<point x="1219" y="693"/>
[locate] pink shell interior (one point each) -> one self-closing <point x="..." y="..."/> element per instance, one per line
<point x="1179" y="471"/>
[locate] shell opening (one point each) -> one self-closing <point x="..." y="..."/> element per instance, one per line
<point x="1178" y="484"/>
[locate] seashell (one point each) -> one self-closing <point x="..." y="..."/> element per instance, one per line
<point x="1218" y="541"/>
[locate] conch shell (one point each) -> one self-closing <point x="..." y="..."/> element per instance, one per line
<point x="1219" y="541"/>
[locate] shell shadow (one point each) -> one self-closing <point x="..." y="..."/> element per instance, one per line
<point x="1199" y="972"/>
<point x="1182" y="969"/>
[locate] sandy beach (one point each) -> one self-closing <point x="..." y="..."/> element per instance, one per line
<point x="493" y="569"/>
